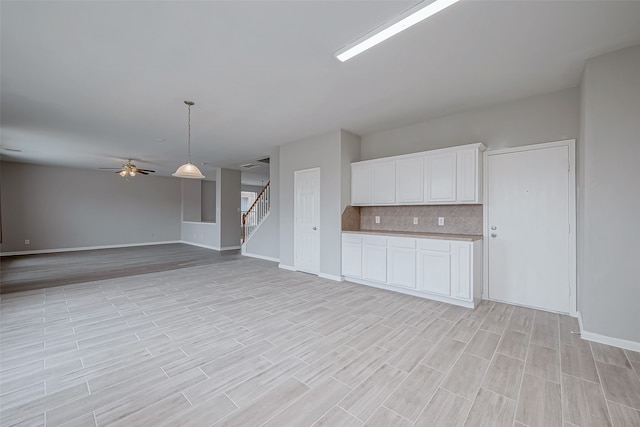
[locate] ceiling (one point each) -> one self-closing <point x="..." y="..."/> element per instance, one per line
<point x="90" y="84"/>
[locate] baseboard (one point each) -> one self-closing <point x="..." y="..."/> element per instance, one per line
<point x="200" y="245"/>
<point x="266" y="258"/>
<point x="407" y="291"/>
<point x="287" y="267"/>
<point x="229" y="248"/>
<point x="604" y="339"/>
<point x="331" y="277"/>
<point x="87" y="248"/>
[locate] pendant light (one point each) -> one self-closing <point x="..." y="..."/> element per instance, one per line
<point x="189" y="170"/>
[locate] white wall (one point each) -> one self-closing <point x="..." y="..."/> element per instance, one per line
<point x="543" y="118"/>
<point x="205" y="234"/>
<point x="609" y="197"/>
<point x="58" y="208"/>
<point x="324" y="152"/>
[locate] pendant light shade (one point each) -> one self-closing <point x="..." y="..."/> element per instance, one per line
<point x="189" y="170"/>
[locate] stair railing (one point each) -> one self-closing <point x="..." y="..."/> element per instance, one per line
<point x="256" y="213"/>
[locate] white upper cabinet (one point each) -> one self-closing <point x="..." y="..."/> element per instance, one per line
<point x="440" y="177"/>
<point x="446" y="176"/>
<point x="384" y="182"/>
<point x="410" y="181"/>
<point x="468" y="170"/>
<point x="361" y="184"/>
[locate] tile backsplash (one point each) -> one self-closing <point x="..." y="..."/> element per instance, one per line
<point x="458" y="219"/>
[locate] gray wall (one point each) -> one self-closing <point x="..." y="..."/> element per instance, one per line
<point x="609" y="196"/>
<point x="208" y="201"/>
<point x="543" y="118"/>
<point x="58" y="208"/>
<point x="191" y="199"/>
<point x="350" y="148"/>
<point x="255" y="188"/>
<point x="324" y="152"/>
<point x="228" y="207"/>
<point x="265" y="242"/>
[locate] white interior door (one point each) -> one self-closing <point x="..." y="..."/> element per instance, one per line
<point x="307" y="220"/>
<point x="528" y="217"/>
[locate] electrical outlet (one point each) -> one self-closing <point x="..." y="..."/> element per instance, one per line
<point x="440" y="220"/>
<point x="415" y="220"/>
<point x="377" y="220"/>
<point x="27" y="241"/>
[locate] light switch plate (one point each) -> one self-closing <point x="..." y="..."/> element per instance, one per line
<point x="377" y="220"/>
<point x="415" y="220"/>
<point x="440" y="220"/>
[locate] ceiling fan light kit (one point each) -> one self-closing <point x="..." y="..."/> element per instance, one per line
<point x="130" y="169"/>
<point x="189" y="170"/>
<point x="408" y="19"/>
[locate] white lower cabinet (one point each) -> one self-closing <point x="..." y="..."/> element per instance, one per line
<point x="352" y="255"/>
<point x="401" y="262"/>
<point x="444" y="270"/>
<point x="434" y="272"/>
<point x="374" y="258"/>
<point x="461" y="270"/>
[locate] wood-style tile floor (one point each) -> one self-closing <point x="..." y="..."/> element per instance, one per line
<point x="242" y="343"/>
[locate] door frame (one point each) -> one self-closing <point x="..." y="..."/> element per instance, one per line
<point x="295" y="216"/>
<point x="571" y="144"/>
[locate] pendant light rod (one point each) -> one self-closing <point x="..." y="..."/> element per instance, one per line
<point x="189" y="170"/>
<point x="189" y="103"/>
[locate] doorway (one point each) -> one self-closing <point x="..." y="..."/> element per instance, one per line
<point x="306" y="190"/>
<point x="530" y="226"/>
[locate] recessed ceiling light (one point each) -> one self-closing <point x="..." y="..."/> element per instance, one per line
<point x="408" y="19"/>
<point x="160" y="139"/>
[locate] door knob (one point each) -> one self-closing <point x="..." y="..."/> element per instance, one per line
<point x="494" y="235"/>
<point x="314" y="228"/>
<point x="493" y="227"/>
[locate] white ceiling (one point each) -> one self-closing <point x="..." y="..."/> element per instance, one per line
<point x="88" y="84"/>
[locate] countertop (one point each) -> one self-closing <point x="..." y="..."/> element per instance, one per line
<point x="441" y="236"/>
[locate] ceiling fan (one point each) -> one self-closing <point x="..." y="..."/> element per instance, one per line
<point x="130" y="169"/>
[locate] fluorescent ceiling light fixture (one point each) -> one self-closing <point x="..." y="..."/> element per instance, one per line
<point x="414" y="15"/>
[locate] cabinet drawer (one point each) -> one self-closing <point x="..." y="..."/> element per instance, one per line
<point x="434" y="245"/>
<point x="374" y="240"/>
<point x="401" y="242"/>
<point x="352" y="238"/>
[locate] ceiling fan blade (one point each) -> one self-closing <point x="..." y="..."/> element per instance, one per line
<point x="143" y="173"/>
<point x="147" y="170"/>
<point x="109" y="169"/>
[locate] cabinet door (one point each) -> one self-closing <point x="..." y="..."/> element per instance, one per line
<point x="374" y="262"/>
<point x="440" y="177"/>
<point x="384" y="182"/>
<point x="402" y="267"/>
<point x="461" y="271"/>
<point x="467" y="176"/>
<point x="360" y="184"/>
<point x="410" y="180"/>
<point x="434" y="272"/>
<point x="351" y="257"/>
